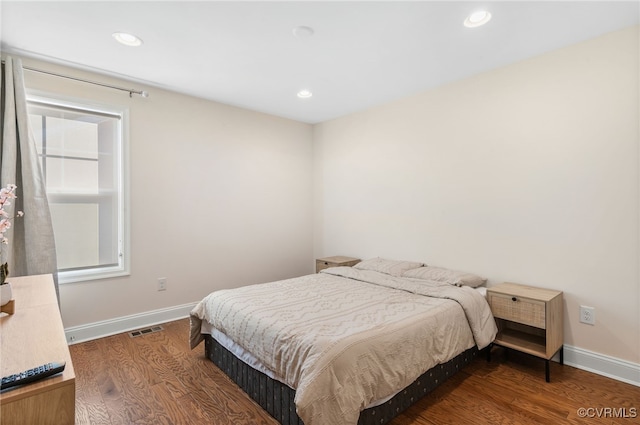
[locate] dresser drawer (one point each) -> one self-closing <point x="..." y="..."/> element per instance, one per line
<point x="518" y="309"/>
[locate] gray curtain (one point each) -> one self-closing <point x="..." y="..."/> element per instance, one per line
<point x="31" y="249"/>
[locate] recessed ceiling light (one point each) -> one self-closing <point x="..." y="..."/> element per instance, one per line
<point x="303" y="31"/>
<point x="304" y="94"/>
<point x="127" y="39"/>
<point x="477" y="19"/>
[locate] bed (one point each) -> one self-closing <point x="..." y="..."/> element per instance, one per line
<point x="346" y="344"/>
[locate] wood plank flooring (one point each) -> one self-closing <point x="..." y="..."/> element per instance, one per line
<point x="156" y="379"/>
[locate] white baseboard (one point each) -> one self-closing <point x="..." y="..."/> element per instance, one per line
<point x="601" y="364"/>
<point x="82" y="333"/>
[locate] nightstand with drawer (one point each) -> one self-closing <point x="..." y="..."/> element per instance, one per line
<point x="529" y="320"/>
<point x="336" y="261"/>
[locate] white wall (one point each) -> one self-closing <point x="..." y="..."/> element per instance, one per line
<point x="528" y="173"/>
<point x="220" y="197"/>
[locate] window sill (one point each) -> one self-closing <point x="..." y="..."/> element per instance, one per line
<point x="90" y="275"/>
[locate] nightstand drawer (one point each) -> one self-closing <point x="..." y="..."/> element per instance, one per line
<point x="321" y="265"/>
<point x="336" y="261"/>
<point x="518" y="309"/>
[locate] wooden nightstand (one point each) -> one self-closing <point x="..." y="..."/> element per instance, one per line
<point x="338" y="260"/>
<point x="529" y="319"/>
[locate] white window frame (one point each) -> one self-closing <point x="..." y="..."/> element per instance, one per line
<point x="122" y="150"/>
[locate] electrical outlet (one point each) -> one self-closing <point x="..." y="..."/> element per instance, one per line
<point x="587" y="315"/>
<point x="162" y="284"/>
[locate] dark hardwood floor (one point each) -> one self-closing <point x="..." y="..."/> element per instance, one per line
<point x="156" y="379"/>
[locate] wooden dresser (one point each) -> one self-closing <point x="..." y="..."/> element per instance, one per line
<point x="32" y="336"/>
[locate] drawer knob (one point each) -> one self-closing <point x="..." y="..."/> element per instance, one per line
<point x="514" y="299"/>
<point x="326" y="264"/>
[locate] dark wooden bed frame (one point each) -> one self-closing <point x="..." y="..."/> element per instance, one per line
<point x="277" y="398"/>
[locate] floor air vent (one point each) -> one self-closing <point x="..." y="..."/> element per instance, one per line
<point x="145" y="331"/>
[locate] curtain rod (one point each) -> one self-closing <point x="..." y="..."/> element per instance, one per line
<point x="131" y="91"/>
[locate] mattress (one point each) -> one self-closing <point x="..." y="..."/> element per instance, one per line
<point x="249" y="359"/>
<point x="345" y="339"/>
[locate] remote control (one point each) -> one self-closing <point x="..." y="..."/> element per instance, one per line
<point x="31" y="375"/>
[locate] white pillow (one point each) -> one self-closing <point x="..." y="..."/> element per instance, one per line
<point x="440" y="274"/>
<point x="391" y="267"/>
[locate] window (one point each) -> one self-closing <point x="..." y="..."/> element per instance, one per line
<point x="81" y="152"/>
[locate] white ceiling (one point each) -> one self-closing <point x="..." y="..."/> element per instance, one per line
<point x="242" y="53"/>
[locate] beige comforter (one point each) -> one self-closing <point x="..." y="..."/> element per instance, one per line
<point x="347" y="337"/>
